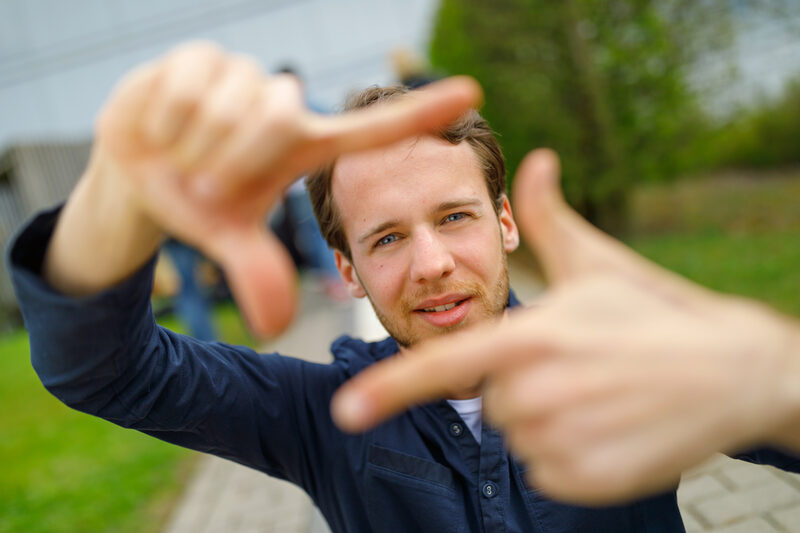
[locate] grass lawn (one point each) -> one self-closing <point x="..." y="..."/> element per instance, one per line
<point x="735" y="233"/>
<point x="758" y="266"/>
<point x="64" y="471"/>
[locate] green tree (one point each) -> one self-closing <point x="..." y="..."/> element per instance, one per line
<point x="602" y="82"/>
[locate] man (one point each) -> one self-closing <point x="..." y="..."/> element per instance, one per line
<point x="622" y="377"/>
<point x="198" y="145"/>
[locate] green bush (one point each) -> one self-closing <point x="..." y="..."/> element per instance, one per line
<point x="767" y="135"/>
<point x="603" y="83"/>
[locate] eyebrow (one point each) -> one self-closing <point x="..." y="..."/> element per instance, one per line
<point x="459" y="202"/>
<point x="444" y="206"/>
<point x="380" y="228"/>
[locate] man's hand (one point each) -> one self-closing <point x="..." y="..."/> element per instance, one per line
<point x="199" y="145"/>
<point x="623" y="376"/>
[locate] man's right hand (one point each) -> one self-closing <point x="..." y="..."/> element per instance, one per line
<point x="199" y="145"/>
<point x="624" y="374"/>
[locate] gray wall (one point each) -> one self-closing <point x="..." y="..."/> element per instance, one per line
<point x="59" y="59"/>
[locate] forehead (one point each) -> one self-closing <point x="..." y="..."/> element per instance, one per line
<point x="412" y="174"/>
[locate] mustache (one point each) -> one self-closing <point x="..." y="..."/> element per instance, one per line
<point x="469" y="289"/>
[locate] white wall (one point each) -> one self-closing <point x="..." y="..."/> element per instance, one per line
<point x="59" y="59"/>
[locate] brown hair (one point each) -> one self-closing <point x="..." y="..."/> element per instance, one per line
<point x="471" y="128"/>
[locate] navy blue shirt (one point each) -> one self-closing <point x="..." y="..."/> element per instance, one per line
<point x="422" y="471"/>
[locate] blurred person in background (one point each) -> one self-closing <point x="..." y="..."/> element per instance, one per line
<point x="192" y="298"/>
<point x="410" y="69"/>
<point x="199" y="145"/>
<point x="294" y="223"/>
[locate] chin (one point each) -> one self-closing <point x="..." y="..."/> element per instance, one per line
<point x="408" y="338"/>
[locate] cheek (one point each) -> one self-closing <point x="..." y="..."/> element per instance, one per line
<point x="480" y="254"/>
<point x="384" y="281"/>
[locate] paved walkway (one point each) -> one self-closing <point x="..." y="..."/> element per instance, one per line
<point x="722" y="496"/>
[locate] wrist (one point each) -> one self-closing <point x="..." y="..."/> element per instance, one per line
<point x="102" y="235"/>
<point x="787" y="432"/>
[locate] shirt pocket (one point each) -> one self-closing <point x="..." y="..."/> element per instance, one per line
<point x="407" y="493"/>
<point x="557" y="516"/>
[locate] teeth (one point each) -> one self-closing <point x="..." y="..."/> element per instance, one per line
<point x="440" y="308"/>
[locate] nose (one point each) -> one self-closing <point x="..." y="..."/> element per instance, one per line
<point x="431" y="259"/>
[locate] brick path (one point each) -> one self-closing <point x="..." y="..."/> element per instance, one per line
<point x="722" y="496"/>
<point x="224" y="497"/>
<point x="730" y="496"/>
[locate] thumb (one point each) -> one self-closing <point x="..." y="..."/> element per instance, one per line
<point x="262" y="278"/>
<point x="537" y="190"/>
<point x="421" y="111"/>
<point x="567" y="246"/>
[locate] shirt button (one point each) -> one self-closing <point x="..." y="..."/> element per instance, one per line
<point x="489" y="489"/>
<point x="456" y="429"/>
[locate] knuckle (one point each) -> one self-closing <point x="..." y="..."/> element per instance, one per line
<point x="196" y="50"/>
<point x="245" y="65"/>
<point x="220" y="119"/>
<point x="283" y="122"/>
<point x="182" y="100"/>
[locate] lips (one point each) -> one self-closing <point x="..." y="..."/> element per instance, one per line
<point x="441" y="301"/>
<point x="440" y="308"/>
<point x="444" y="311"/>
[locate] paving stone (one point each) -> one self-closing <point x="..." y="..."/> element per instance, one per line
<point x="698" y="488"/>
<point x="225" y="497"/>
<point x="750" y="525"/>
<point x="712" y="465"/>
<point x="691" y="524"/>
<point x="789" y="477"/>
<point x="789" y="518"/>
<point x="727" y="508"/>
<point x="198" y="502"/>
<point x="745" y="475"/>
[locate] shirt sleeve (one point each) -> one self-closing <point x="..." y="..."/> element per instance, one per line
<point x="783" y="459"/>
<point x="105" y="355"/>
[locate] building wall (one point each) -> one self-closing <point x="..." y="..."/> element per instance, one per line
<point x="59" y="60"/>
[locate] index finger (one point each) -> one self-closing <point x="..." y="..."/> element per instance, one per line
<point x="420" y="111"/>
<point x="436" y="369"/>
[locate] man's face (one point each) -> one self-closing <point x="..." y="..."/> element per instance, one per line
<point x="428" y="248"/>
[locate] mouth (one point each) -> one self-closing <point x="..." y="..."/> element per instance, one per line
<point x="444" y="312"/>
<point x="441" y="308"/>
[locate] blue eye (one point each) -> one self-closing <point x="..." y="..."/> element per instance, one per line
<point x="454" y="217"/>
<point x="388" y="239"/>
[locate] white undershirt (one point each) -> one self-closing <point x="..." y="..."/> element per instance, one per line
<point x="470" y="413"/>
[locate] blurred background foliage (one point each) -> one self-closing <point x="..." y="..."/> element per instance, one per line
<point x="764" y="135"/>
<point x="609" y="85"/>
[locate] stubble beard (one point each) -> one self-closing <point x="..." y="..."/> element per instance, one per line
<point x="489" y="302"/>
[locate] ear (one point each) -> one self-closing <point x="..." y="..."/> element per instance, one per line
<point x="508" y="228"/>
<point x="348" y="273"/>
